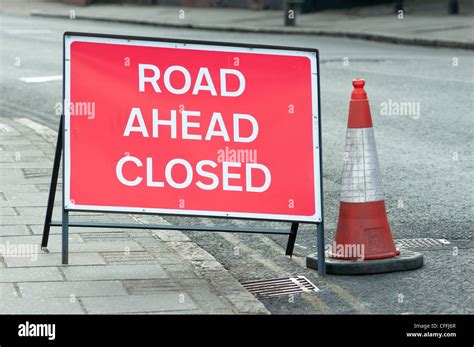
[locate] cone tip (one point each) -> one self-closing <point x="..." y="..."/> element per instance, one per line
<point x="358" y="83"/>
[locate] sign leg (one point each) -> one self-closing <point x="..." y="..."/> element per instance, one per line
<point x="65" y="237"/>
<point x="291" y="239"/>
<point x="53" y="185"/>
<point x="321" y="250"/>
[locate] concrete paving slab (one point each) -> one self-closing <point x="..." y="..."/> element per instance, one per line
<point x="71" y="289"/>
<point x="9" y="275"/>
<point x="171" y="301"/>
<point x="40" y="306"/>
<point x="111" y="272"/>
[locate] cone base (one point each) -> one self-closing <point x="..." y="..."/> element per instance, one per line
<point x="369" y="257"/>
<point x="405" y="261"/>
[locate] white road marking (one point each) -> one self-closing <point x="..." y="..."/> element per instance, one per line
<point x="396" y="74"/>
<point x="4" y="128"/>
<point x="28" y="31"/>
<point x="40" y="129"/>
<point x="9" y="107"/>
<point x="41" y="79"/>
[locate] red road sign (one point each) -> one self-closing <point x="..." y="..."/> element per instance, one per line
<point x="191" y="128"/>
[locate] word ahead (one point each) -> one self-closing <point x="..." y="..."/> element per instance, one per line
<point x="164" y="114"/>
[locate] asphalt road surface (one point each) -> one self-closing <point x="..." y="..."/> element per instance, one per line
<point x="425" y="156"/>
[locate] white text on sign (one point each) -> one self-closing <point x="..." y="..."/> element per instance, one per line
<point x="235" y="176"/>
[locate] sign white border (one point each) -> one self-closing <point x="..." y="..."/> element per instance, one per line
<point x="69" y="39"/>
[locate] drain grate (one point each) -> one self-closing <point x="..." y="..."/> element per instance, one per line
<point x="44" y="187"/>
<point x="104" y="236"/>
<point x="132" y="258"/>
<point x="37" y="173"/>
<point x="280" y="286"/>
<point x="421" y="243"/>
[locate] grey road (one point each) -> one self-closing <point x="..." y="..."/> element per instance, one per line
<point x="425" y="156"/>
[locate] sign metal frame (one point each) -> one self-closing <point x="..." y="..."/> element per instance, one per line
<point x="62" y="150"/>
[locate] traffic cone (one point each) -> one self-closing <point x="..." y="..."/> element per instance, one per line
<point x="363" y="243"/>
<point x="362" y="231"/>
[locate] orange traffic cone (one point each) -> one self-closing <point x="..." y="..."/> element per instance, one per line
<point x="362" y="231"/>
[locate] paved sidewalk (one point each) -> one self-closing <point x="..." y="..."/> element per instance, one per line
<point x="111" y="270"/>
<point x="424" y="22"/>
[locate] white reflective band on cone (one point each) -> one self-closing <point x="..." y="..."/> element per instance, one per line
<point x="361" y="178"/>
